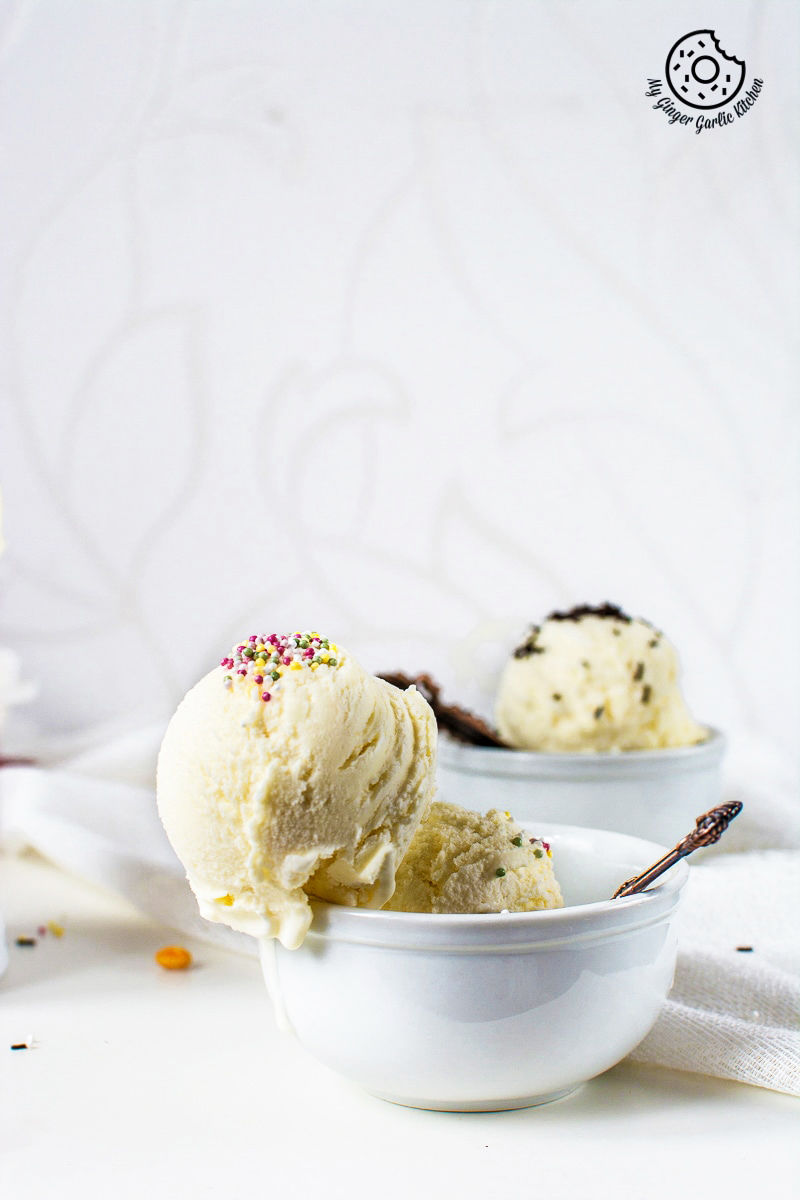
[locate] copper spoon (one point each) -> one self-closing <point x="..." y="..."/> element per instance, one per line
<point x="708" y="829"/>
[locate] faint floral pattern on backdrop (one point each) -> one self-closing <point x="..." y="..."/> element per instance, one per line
<point x="405" y="322"/>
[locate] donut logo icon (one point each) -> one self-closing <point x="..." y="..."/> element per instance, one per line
<point x="699" y="72"/>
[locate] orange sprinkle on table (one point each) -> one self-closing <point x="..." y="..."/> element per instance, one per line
<point x="173" y="958"/>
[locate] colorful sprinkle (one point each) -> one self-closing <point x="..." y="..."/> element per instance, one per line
<point x="500" y="872"/>
<point x="173" y="958"/>
<point x="516" y="841"/>
<point x="251" y="658"/>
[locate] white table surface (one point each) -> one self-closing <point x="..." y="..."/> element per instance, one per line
<point x="147" y="1083"/>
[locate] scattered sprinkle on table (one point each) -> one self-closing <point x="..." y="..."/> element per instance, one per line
<point x="20" y="1046"/>
<point x="24" y="940"/>
<point x="51" y="927"/>
<point x="173" y="958"/>
<point x="745" y="949"/>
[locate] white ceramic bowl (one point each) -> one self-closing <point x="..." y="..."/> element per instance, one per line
<point x="491" y="1011"/>
<point x="655" y="794"/>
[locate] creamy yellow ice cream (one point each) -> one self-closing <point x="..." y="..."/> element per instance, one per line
<point x="594" y="679"/>
<point x="288" y="772"/>
<point x="465" y="862"/>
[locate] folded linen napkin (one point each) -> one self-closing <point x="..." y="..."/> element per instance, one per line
<point x="734" y="1008"/>
<point x="733" y="1013"/>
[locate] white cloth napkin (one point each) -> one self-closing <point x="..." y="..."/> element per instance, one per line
<point x="734" y="1009"/>
<point x="732" y="1013"/>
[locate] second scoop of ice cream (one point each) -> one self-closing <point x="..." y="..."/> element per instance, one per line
<point x="464" y="862"/>
<point x="594" y="679"/>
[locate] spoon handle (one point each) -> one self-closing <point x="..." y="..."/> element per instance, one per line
<point x="708" y="829"/>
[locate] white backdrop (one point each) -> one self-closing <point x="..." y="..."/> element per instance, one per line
<point x="406" y="321"/>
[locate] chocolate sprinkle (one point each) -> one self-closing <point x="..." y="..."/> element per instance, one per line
<point x="606" y="610"/>
<point x="556" y="695"/>
<point x="25" y="941"/>
<point x="598" y="712"/>
<point x="647" y="692"/>
<point x="461" y="724"/>
<point x="638" y="673"/>
<point x="745" y="949"/>
<point x="530" y="645"/>
<point x="610" y="611"/>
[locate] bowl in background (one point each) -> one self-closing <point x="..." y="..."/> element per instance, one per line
<point x="488" y="1011"/>
<point x="653" y="794"/>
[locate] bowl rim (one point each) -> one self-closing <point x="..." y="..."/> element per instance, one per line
<point x="543" y="929"/>
<point x="501" y="761"/>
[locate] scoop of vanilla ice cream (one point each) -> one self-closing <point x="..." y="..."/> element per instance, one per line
<point x="464" y="862"/>
<point x="594" y="679"/>
<point x="288" y="772"/>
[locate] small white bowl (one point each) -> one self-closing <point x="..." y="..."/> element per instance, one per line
<point x="491" y="1011"/>
<point x="655" y="794"/>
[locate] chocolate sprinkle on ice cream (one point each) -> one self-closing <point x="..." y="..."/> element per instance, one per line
<point x="611" y="611"/>
<point x="529" y="646"/>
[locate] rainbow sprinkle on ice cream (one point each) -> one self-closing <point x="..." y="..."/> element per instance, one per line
<point x="264" y="659"/>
